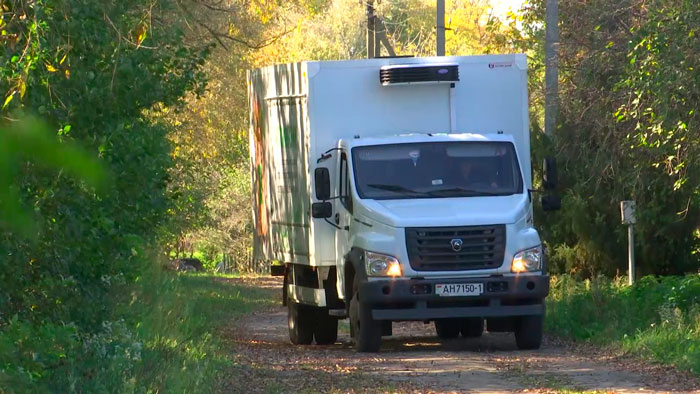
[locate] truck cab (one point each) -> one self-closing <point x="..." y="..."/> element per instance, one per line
<point x="421" y="210"/>
<point x="422" y="223"/>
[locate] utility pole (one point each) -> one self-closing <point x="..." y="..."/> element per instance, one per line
<point x="551" y="73"/>
<point x="378" y="31"/>
<point x="370" y="29"/>
<point x="440" y="27"/>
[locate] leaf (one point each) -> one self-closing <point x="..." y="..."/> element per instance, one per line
<point x="142" y="37"/>
<point x="51" y="68"/>
<point x="140" y="34"/>
<point x="8" y="99"/>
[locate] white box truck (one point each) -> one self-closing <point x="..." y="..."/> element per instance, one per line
<point x="398" y="189"/>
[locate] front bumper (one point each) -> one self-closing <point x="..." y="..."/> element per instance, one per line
<point x="415" y="299"/>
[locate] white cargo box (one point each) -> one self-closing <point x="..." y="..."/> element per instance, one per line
<point x="301" y="110"/>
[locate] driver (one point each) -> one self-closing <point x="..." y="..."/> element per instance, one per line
<point x="474" y="175"/>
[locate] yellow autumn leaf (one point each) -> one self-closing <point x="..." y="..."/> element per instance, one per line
<point x="8" y="99"/>
<point x="140" y="34"/>
<point x="142" y="37"/>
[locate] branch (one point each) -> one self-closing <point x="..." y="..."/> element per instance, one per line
<point x="212" y="7"/>
<point x="219" y="36"/>
<point x="259" y="45"/>
<point x="120" y="35"/>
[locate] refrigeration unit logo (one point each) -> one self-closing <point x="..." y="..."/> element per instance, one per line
<point x="456" y="244"/>
<point x="500" y="65"/>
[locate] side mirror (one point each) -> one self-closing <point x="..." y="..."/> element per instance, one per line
<point x="323" y="184"/>
<point x="322" y="210"/>
<point x="551" y="203"/>
<point x="549" y="173"/>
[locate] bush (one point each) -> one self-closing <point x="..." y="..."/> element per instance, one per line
<point x="164" y="341"/>
<point x="657" y="317"/>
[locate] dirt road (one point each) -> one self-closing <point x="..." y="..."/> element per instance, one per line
<point x="415" y="360"/>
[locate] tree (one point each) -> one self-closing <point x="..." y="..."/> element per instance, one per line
<point x="627" y="108"/>
<point x="90" y="70"/>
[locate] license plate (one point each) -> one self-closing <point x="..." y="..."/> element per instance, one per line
<point x="459" y="289"/>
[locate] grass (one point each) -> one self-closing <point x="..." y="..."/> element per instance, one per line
<point x="657" y="318"/>
<point x="181" y="328"/>
<point x="163" y="339"/>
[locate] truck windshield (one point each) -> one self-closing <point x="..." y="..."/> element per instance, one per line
<point x="436" y="169"/>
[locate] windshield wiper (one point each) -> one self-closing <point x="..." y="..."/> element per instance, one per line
<point x="396" y="188"/>
<point x="470" y="192"/>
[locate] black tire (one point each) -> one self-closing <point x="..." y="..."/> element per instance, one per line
<point x="447" y="328"/>
<point x="326" y="328"/>
<point x="528" y="332"/>
<point x="367" y="332"/>
<point x="472" y="327"/>
<point x="300" y="320"/>
<point x="387" y="328"/>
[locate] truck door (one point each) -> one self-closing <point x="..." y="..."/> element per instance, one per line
<point x="343" y="217"/>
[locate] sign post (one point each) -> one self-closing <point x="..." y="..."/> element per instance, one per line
<point x="627" y="212"/>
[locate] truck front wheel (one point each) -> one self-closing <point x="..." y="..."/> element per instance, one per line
<point x="300" y="319"/>
<point x="367" y="332"/>
<point x="528" y="332"/>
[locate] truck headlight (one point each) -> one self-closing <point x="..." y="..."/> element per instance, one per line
<point x="382" y="265"/>
<point x="527" y="260"/>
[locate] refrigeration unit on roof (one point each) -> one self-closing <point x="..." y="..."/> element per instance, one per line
<point x="404" y="74"/>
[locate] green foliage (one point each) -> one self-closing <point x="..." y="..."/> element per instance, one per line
<point x="209" y="181"/>
<point x="83" y="305"/>
<point x="165" y="340"/>
<point x="660" y="110"/>
<point x="627" y="130"/>
<point x="30" y="139"/>
<point x="90" y="69"/>
<point x="658" y="317"/>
